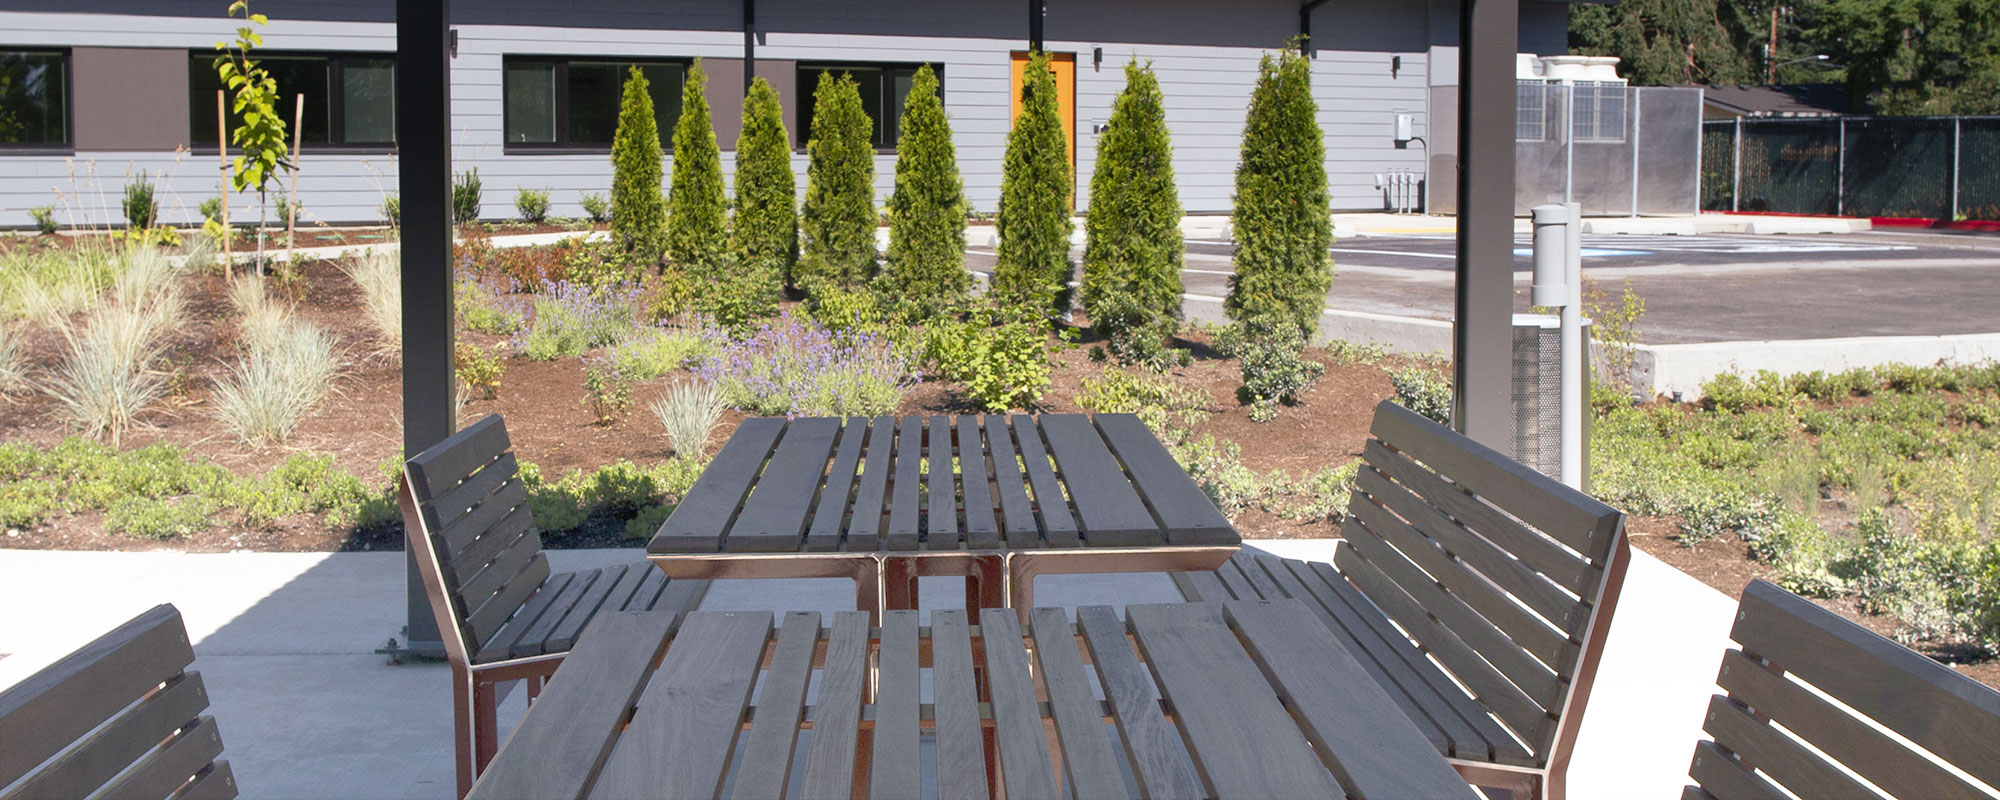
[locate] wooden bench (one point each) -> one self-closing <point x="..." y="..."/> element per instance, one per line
<point x="153" y="740"/>
<point x="1787" y="644"/>
<point x="501" y="612"/>
<point x="1455" y="555"/>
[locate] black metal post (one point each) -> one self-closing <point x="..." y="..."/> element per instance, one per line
<point x="1482" y="333"/>
<point x="1036" y="10"/>
<point x="423" y="160"/>
<point x="749" y="44"/>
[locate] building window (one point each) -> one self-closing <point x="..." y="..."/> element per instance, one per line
<point x="34" y="98"/>
<point x="574" y="103"/>
<point x="350" y="98"/>
<point x="883" y="90"/>
<point x="1530" y="111"/>
<point x="1598" y="112"/>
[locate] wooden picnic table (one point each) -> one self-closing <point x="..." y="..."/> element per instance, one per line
<point x="996" y="499"/>
<point x="1249" y="698"/>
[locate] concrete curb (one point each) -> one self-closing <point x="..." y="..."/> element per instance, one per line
<point x="1678" y="370"/>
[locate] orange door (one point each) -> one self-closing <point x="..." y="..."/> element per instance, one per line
<point x="1064" y="67"/>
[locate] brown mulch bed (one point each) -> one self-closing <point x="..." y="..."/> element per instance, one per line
<point x="551" y="425"/>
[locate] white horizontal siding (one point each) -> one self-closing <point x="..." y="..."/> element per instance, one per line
<point x="1204" y="53"/>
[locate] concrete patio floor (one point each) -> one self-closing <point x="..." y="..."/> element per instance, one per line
<point x="286" y="644"/>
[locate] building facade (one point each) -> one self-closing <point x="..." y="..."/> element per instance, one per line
<point x="95" y="93"/>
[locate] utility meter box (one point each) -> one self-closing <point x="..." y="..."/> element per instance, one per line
<point x="1405" y="126"/>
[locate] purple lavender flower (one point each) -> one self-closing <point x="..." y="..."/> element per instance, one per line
<point x="794" y="367"/>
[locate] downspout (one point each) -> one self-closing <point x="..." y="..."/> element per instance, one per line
<point x="1305" y="25"/>
<point x="749" y="43"/>
<point x="1036" y="10"/>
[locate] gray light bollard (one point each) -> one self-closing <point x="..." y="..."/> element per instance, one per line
<point x="1558" y="283"/>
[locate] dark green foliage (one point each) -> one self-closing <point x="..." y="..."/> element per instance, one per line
<point x="1133" y="247"/>
<point x="697" y="228"/>
<point x="1669" y="41"/>
<point x="1912" y="56"/>
<point x="45" y="219"/>
<point x="764" y="236"/>
<point x="1283" y="226"/>
<point x="1033" y="268"/>
<point x="465" y="197"/>
<point x="926" y="263"/>
<point x="596" y="207"/>
<point x="140" y="208"/>
<point x="638" y="213"/>
<point x="839" y="223"/>
<point x="1275" y="370"/>
<point x="737" y="293"/>
<point x="1002" y="360"/>
<point x="532" y="205"/>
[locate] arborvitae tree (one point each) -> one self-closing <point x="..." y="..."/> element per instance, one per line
<point x="1032" y="269"/>
<point x="696" y="216"/>
<point x="1282" y="223"/>
<point x="638" y="215"/>
<point x="1133" y="247"/>
<point x="764" y="235"/>
<point x="839" y="224"/>
<point x="926" y="264"/>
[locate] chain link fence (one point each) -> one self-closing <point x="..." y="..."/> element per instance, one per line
<point x="1926" y="167"/>
<point x="1615" y="149"/>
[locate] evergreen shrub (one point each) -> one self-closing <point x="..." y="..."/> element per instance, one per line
<point x="638" y="212"/>
<point x="1133" y="248"/>
<point x="764" y="236"/>
<point x="838" y="249"/>
<point x="1032" y="269"/>
<point x="1283" y="225"/>
<point x="697" y="229"/>
<point x="926" y="258"/>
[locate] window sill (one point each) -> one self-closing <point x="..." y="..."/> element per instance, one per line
<point x="36" y="150"/>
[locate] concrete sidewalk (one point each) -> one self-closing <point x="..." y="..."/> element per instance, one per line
<point x="307" y="710"/>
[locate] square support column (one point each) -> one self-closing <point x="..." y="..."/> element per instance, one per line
<point x="1482" y="328"/>
<point x="423" y="147"/>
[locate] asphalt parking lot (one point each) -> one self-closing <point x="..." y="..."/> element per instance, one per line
<point x="1718" y="287"/>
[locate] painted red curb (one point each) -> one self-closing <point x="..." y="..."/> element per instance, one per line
<point x="1986" y="225"/>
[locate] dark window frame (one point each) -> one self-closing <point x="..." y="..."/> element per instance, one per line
<point x="802" y="122"/>
<point x="336" y="101"/>
<point x="560" y="83"/>
<point x="68" y="144"/>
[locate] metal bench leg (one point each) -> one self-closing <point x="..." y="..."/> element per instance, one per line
<point x="461" y="711"/>
<point x="485" y="716"/>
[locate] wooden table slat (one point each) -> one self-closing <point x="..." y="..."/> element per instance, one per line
<point x="1025" y="768"/>
<point x="1113" y="515"/>
<point x="941" y="531"/>
<point x="831" y="750"/>
<point x="1357" y="731"/>
<point x="1017" y="515"/>
<point x="767" y="756"/>
<point x="1159" y="757"/>
<point x="773" y="518"/>
<point x="1243" y="739"/>
<point x="711" y="668"/>
<point x="864" y="521"/>
<point x="961" y="750"/>
<point x="904" y="532"/>
<point x="894" y="773"/>
<point x="1058" y="521"/>
<point x="578" y="717"/>
<point x="1189" y="517"/>
<point x="982" y="529"/>
<point x="701" y="520"/>
<point x="1087" y="757"/>
<point x="830" y="512"/>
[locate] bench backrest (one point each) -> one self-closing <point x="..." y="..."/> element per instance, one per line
<point x="1788" y="643"/>
<point x="133" y="682"/>
<point x="1503" y="574"/>
<point x="467" y="514"/>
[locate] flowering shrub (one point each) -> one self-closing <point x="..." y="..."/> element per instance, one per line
<point x="791" y="366"/>
<point x="570" y="319"/>
<point x="658" y="351"/>
<point x="488" y="309"/>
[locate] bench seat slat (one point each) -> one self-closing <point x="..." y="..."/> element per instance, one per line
<point x="905" y="531"/>
<point x="1790" y="764"/>
<point x="447" y="463"/>
<point x="217" y="782"/>
<point x="1160" y="759"/>
<point x="476" y="521"/>
<point x="961" y="750"/>
<point x="865" y="520"/>
<point x="490" y="616"/>
<point x="767" y="756"/>
<point x="534" y="641"/>
<point x="1189" y="517"/>
<point x="830" y="513"/>
<point x="830" y="751"/>
<point x="595" y="690"/>
<point x="498" y="573"/>
<point x="702" y="518"/>
<point x="501" y="646"/>
<point x="941" y="528"/>
<point x="1025" y="767"/>
<point x="167" y="768"/>
<point x="1201" y="586"/>
<point x="611" y="590"/>
<point x="1087" y="759"/>
<point x="893" y="772"/>
<point x="715" y="657"/>
<point x="508" y="531"/>
<point x="111" y="749"/>
<point x="1726" y="777"/>
<point x="1473" y="734"/>
<point x="1017" y="516"/>
<point x="1356" y="730"/>
<point x="1059" y="526"/>
<point x="773" y="519"/>
<point x="1113" y="515"/>
<point x="982" y="526"/>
